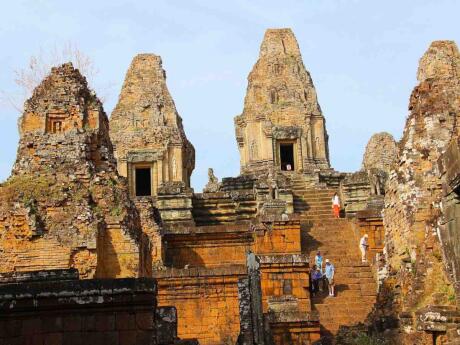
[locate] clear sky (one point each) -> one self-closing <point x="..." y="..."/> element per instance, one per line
<point x="362" y="56"/>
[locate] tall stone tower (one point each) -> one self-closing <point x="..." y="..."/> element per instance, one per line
<point x="282" y="123"/>
<point x="149" y="141"/>
<point x="413" y="207"/>
<point x="65" y="205"/>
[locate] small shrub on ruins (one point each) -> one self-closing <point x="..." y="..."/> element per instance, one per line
<point x="360" y="338"/>
<point x="25" y="189"/>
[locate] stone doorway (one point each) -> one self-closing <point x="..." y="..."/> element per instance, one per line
<point x="287" y="157"/>
<point x="143" y="182"/>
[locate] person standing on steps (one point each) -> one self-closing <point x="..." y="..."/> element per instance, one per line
<point x="310" y="277"/>
<point x="316" y="278"/>
<point x="319" y="261"/>
<point x="330" y="270"/>
<point x="336" y="205"/>
<point x="363" y="247"/>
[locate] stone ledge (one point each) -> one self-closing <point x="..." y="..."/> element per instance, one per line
<point x="196" y="272"/>
<point x="292" y="316"/>
<point x="173" y="229"/>
<point x="294" y="259"/>
<point x="36" y="276"/>
<point x="38" y="295"/>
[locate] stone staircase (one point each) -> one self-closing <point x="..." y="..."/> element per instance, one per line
<point x="220" y="208"/>
<point x="356" y="288"/>
<point x="313" y="204"/>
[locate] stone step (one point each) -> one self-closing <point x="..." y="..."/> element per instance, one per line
<point x="355" y="282"/>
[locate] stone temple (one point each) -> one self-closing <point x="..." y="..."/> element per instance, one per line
<point x="103" y="240"/>
<point x="282" y="123"/>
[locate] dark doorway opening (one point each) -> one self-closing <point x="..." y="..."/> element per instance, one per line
<point x="287" y="157"/>
<point x="143" y="186"/>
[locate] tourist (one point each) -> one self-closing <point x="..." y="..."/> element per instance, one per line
<point x="363" y="247"/>
<point x="316" y="279"/>
<point x="310" y="276"/>
<point x="319" y="261"/>
<point x="330" y="277"/>
<point x="336" y="205"/>
<point x="288" y="167"/>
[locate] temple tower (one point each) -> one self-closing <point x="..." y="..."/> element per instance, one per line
<point x="64" y="206"/>
<point x="282" y="123"/>
<point x="149" y="141"/>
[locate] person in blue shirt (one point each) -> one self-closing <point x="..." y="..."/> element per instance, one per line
<point x="316" y="278"/>
<point x="330" y="277"/>
<point x="319" y="261"/>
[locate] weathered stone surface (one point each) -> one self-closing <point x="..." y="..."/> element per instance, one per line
<point x="449" y="229"/>
<point x="213" y="184"/>
<point x="364" y="189"/>
<point x="65" y="206"/>
<point x="281" y="108"/>
<point x="146" y="129"/>
<point x="412" y="202"/>
<point x="62" y="309"/>
<point x="381" y="152"/>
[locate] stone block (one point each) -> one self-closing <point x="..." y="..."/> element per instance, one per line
<point x="125" y="321"/>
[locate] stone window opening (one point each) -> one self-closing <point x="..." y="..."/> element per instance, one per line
<point x="287" y="287"/>
<point x="56" y="126"/>
<point x="55" y="123"/>
<point x="143" y="184"/>
<point x="274" y="98"/>
<point x="287" y="157"/>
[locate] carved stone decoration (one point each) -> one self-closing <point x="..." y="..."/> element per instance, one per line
<point x="213" y="184"/>
<point x="146" y="120"/>
<point x="280" y="102"/>
<point x="377" y="179"/>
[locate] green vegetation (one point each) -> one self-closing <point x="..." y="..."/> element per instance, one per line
<point x="364" y="339"/>
<point x="116" y="211"/>
<point x="361" y="338"/>
<point x="26" y="189"/>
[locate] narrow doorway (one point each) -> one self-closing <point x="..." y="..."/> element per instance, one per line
<point x="287" y="157"/>
<point x="143" y="182"/>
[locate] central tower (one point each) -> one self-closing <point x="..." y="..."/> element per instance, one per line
<point x="282" y="124"/>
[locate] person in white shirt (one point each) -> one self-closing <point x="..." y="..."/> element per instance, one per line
<point x="329" y="273"/>
<point x="336" y="205"/>
<point x="363" y="247"/>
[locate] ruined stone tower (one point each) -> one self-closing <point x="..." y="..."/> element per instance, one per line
<point x="381" y="152"/>
<point x="413" y="215"/>
<point x="282" y="123"/>
<point x="433" y="121"/>
<point x="149" y="141"/>
<point x="65" y="206"/>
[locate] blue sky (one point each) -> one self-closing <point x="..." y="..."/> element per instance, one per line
<point x="362" y="56"/>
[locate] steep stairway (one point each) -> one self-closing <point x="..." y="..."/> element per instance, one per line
<point x="313" y="204"/>
<point x="356" y="288"/>
<point x="220" y="208"/>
